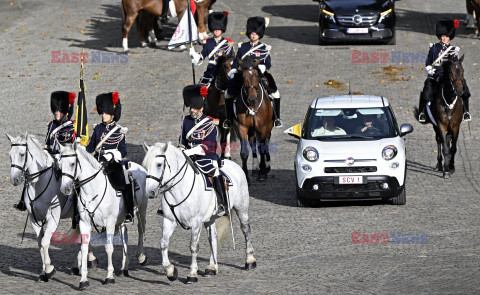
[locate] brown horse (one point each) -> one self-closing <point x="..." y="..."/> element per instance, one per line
<point x="131" y="9"/>
<point x="254" y="120"/>
<point x="215" y="106"/>
<point x="447" y="113"/>
<point x="473" y="7"/>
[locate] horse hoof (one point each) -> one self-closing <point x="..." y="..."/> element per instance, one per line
<point x="446" y="175"/>
<point x="123" y="273"/>
<point x="126" y="52"/>
<point x="108" y="281"/>
<point x="83" y="285"/>
<point x="191" y="280"/>
<point x="254" y="172"/>
<point x="250" y="266"/>
<point x="92" y="264"/>
<point x="210" y="273"/>
<point x="262" y="177"/>
<point x="145" y="262"/>
<point x="174" y="277"/>
<point x="74" y="271"/>
<point x="144" y="45"/>
<point x="44" y="277"/>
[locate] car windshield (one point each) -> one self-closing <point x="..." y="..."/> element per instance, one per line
<point x="351" y="123"/>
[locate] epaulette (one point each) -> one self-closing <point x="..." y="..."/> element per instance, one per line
<point x="229" y="40"/>
<point x="240" y="44"/>
<point x="457" y="49"/>
<point x="123" y="130"/>
<point x="215" y="121"/>
<point x="268" y="47"/>
<point x="430" y="45"/>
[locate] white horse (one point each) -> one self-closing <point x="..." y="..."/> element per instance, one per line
<point x="187" y="202"/>
<point x="100" y="207"/>
<point x="45" y="203"/>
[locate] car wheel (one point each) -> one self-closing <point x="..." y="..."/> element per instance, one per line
<point x="393" y="40"/>
<point x="400" y="199"/>
<point x="301" y="202"/>
<point x="321" y="41"/>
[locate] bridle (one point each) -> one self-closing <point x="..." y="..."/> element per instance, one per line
<point x="451" y="105"/>
<point x="79" y="183"/>
<point x="164" y="185"/>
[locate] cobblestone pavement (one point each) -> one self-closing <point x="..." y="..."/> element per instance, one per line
<point x="301" y="250"/>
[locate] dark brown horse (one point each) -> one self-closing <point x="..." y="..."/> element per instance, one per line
<point x="473" y="7"/>
<point x="254" y="120"/>
<point x="131" y="8"/>
<point x="447" y="113"/>
<point x="215" y="106"/>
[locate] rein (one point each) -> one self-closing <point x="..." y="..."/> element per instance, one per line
<point x="252" y="111"/>
<point x="160" y="185"/>
<point x="78" y="184"/>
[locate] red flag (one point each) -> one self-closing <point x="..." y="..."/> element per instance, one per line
<point x="193" y="5"/>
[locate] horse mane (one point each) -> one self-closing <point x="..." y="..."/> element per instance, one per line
<point x="152" y="152"/>
<point x="90" y="158"/>
<point x="247" y="62"/>
<point x="39" y="148"/>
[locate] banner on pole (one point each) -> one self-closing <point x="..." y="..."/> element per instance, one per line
<point x="181" y="36"/>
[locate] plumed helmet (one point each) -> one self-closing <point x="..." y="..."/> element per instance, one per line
<point x="257" y="24"/>
<point x="109" y="103"/>
<point x="194" y="96"/>
<point x="218" y="21"/>
<point x="62" y="101"/>
<point x="446" y="27"/>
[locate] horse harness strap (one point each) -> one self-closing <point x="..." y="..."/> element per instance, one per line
<point x="452" y="105"/>
<point x="252" y="111"/>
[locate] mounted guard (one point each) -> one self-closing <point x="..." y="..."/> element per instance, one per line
<point x="214" y="47"/>
<point x="438" y="54"/>
<point x="258" y="51"/>
<point x="60" y="129"/>
<point x="108" y="145"/>
<point x="199" y="139"/>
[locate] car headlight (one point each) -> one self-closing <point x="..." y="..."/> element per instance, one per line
<point x="385" y="14"/>
<point x="389" y="152"/>
<point x="310" y="154"/>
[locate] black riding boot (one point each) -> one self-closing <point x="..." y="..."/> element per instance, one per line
<point x="164" y="16"/>
<point x="422" y="109"/>
<point x="128" y="201"/>
<point x="219" y="185"/>
<point x="229" y="112"/>
<point x="21" y="205"/>
<point x="76" y="215"/>
<point x="276" y="105"/>
<point x="466" y="108"/>
<point x="466" y="101"/>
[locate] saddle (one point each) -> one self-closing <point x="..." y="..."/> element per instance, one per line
<point x="114" y="172"/>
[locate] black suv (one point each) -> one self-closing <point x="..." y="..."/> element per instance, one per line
<point x="356" y="20"/>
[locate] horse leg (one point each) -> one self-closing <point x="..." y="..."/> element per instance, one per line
<point x="109" y="249"/>
<point x="242" y="214"/>
<point x="212" y="268"/>
<point x="254" y="146"/>
<point x="141" y="224"/>
<point x="85" y="230"/>
<point x="446" y="154"/>
<point x="40" y="235"/>
<point x="127" y="25"/>
<point x="453" y="149"/>
<point x="267" y="155"/>
<point x="439" y="153"/>
<point x="263" y="167"/>
<point x="124" y="238"/>
<point x="168" y="228"/>
<point x="51" y="225"/>
<point x="195" y="236"/>
<point x="243" y="132"/>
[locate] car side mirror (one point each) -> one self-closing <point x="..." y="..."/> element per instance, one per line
<point x="406" y="129"/>
<point x="295" y="131"/>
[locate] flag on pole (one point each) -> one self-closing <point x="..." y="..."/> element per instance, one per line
<point x="81" y="122"/>
<point x="182" y="33"/>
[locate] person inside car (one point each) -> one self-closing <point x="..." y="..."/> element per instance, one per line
<point x="329" y="128"/>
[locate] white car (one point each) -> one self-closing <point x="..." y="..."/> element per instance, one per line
<point x="350" y="148"/>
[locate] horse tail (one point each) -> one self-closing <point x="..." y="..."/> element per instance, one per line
<point x="223" y="226"/>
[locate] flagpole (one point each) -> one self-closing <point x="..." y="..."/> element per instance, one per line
<point x="78" y="138"/>
<point x="189" y="9"/>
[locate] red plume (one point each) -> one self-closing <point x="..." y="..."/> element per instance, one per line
<point x="71" y="98"/>
<point x="456" y="23"/>
<point x="226" y="13"/>
<point x="204" y="91"/>
<point x="115" y="98"/>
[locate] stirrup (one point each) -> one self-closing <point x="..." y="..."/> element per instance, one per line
<point x="221" y="211"/>
<point x="227" y="124"/>
<point x="160" y="211"/>
<point x="467" y="117"/>
<point x="128" y="219"/>
<point x="421" y="117"/>
<point x="278" y="123"/>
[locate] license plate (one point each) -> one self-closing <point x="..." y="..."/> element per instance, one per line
<point x="357" y="30"/>
<point x="350" y="179"/>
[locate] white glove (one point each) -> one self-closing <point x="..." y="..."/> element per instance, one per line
<point x="195" y="56"/>
<point x="116" y="155"/>
<point x="430" y="70"/>
<point x="262" y="68"/>
<point x="198" y="150"/>
<point x="232" y="73"/>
